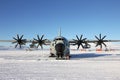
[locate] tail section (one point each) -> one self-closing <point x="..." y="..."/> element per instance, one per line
<point x="59" y="33"/>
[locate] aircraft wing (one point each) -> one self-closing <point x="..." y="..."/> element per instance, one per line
<point x="18" y="40"/>
<point x="72" y="42"/>
<point x="83" y="42"/>
<point x="27" y="41"/>
<point x="7" y="40"/>
<point x="94" y="41"/>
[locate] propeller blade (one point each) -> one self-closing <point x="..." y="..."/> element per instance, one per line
<point x="42" y="37"/>
<point x="104" y="44"/>
<point x="23" y="42"/>
<point x="96" y="45"/>
<point x="18" y="36"/>
<point x="100" y="36"/>
<point x="41" y="46"/>
<point x="14" y="38"/>
<point x="21" y="37"/>
<point x="78" y="47"/>
<point x="35" y="39"/>
<point x="14" y="42"/>
<point x="84" y="39"/>
<point x="20" y="45"/>
<point x="101" y="46"/>
<point x="74" y="40"/>
<point x="38" y="37"/>
<point x="37" y="45"/>
<point x="103" y="37"/>
<point x="82" y="46"/>
<point x="97" y="38"/>
<point x="16" y="45"/>
<point x="81" y="37"/>
<point x="77" y="37"/>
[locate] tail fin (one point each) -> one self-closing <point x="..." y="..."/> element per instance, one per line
<point x="59" y="33"/>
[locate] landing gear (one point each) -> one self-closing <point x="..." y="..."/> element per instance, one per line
<point x="68" y="57"/>
<point x="61" y="56"/>
<point x="52" y="55"/>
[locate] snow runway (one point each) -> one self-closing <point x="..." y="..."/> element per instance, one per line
<point x="36" y="65"/>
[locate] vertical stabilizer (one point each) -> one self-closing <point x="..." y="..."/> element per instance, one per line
<point x="59" y="33"/>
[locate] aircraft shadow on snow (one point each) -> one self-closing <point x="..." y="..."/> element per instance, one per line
<point x="88" y="55"/>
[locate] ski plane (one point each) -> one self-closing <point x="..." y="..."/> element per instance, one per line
<point x="60" y="46"/>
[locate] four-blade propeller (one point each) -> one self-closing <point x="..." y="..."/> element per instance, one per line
<point x="80" y="41"/>
<point x="100" y="41"/>
<point x="19" y="41"/>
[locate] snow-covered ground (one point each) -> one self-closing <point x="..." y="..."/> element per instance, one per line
<point x="36" y="65"/>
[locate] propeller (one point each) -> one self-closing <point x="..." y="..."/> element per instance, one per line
<point x="40" y="41"/>
<point x="80" y="41"/>
<point x="19" y="41"/>
<point x="100" y="41"/>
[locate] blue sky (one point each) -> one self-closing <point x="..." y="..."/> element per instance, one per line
<point x="75" y="17"/>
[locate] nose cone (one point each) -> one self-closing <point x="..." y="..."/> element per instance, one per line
<point x="60" y="47"/>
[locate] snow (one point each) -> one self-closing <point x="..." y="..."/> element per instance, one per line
<point x="36" y="65"/>
<point x="60" y="70"/>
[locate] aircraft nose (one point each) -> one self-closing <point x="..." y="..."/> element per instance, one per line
<point x="60" y="47"/>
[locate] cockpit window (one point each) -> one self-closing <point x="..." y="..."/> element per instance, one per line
<point x="59" y="39"/>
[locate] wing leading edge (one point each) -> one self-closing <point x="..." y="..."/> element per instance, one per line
<point x="83" y="42"/>
<point x="79" y="41"/>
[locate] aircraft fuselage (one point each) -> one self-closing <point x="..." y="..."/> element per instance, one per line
<point x="60" y="47"/>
